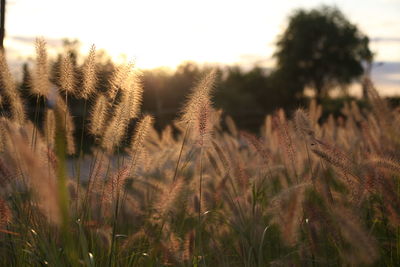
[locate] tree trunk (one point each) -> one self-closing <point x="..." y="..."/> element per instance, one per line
<point x="319" y="94"/>
<point x="2" y="22"/>
<point x="367" y="76"/>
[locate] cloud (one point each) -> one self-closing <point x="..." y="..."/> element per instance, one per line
<point x="31" y="40"/>
<point x="387" y="67"/>
<point x="387" y="74"/>
<point x="386" y="39"/>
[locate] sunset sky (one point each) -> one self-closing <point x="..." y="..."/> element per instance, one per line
<point x="165" y="33"/>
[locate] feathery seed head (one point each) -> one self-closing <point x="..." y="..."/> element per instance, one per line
<point x="67" y="75"/>
<point x="198" y="98"/>
<point x="257" y="145"/>
<point x="282" y="128"/>
<point x="203" y="123"/>
<point x="386" y="163"/>
<point x="115" y="184"/>
<point x="41" y="82"/>
<point x="169" y="200"/>
<point x="116" y="129"/>
<point x="121" y="79"/>
<point x="89" y="74"/>
<point x="303" y="124"/>
<point x="127" y="109"/>
<point x="132" y="97"/>
<point x="142" y="129"/>
<point x="11" y="91"/>
<point x="98" y="116"/>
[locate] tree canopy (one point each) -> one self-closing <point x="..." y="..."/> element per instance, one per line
<point x="321" y="49"/>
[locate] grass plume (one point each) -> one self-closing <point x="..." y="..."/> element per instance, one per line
<point x="11" y="92"/>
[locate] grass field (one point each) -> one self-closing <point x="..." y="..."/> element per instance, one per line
<point x="300" y="193"/>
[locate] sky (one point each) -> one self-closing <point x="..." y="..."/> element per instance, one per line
<point x="157" y="33"/>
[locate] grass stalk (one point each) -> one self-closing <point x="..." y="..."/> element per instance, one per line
<point x="185" y="136"/>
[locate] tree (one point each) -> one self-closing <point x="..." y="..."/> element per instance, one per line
<point x="321" y="49"/>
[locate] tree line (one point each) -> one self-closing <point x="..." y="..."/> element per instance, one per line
<point x="319" y="50"/>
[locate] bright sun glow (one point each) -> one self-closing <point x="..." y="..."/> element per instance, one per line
<point x="165" y="33"/>
<point x="155" y="33"/>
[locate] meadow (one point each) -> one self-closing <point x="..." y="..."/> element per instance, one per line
<point x="301" y="192"/>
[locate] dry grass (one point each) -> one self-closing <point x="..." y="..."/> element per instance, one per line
<point x="299" y="194"/>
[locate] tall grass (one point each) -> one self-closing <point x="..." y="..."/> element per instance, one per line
<point x="301" y="193"/>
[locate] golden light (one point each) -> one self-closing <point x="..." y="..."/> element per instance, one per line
<point x="164" y="33"/>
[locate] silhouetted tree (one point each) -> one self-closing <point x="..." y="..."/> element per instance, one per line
<point x="321" y="49"/>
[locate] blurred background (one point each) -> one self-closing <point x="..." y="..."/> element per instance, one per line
<point x="269" y="54"/>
